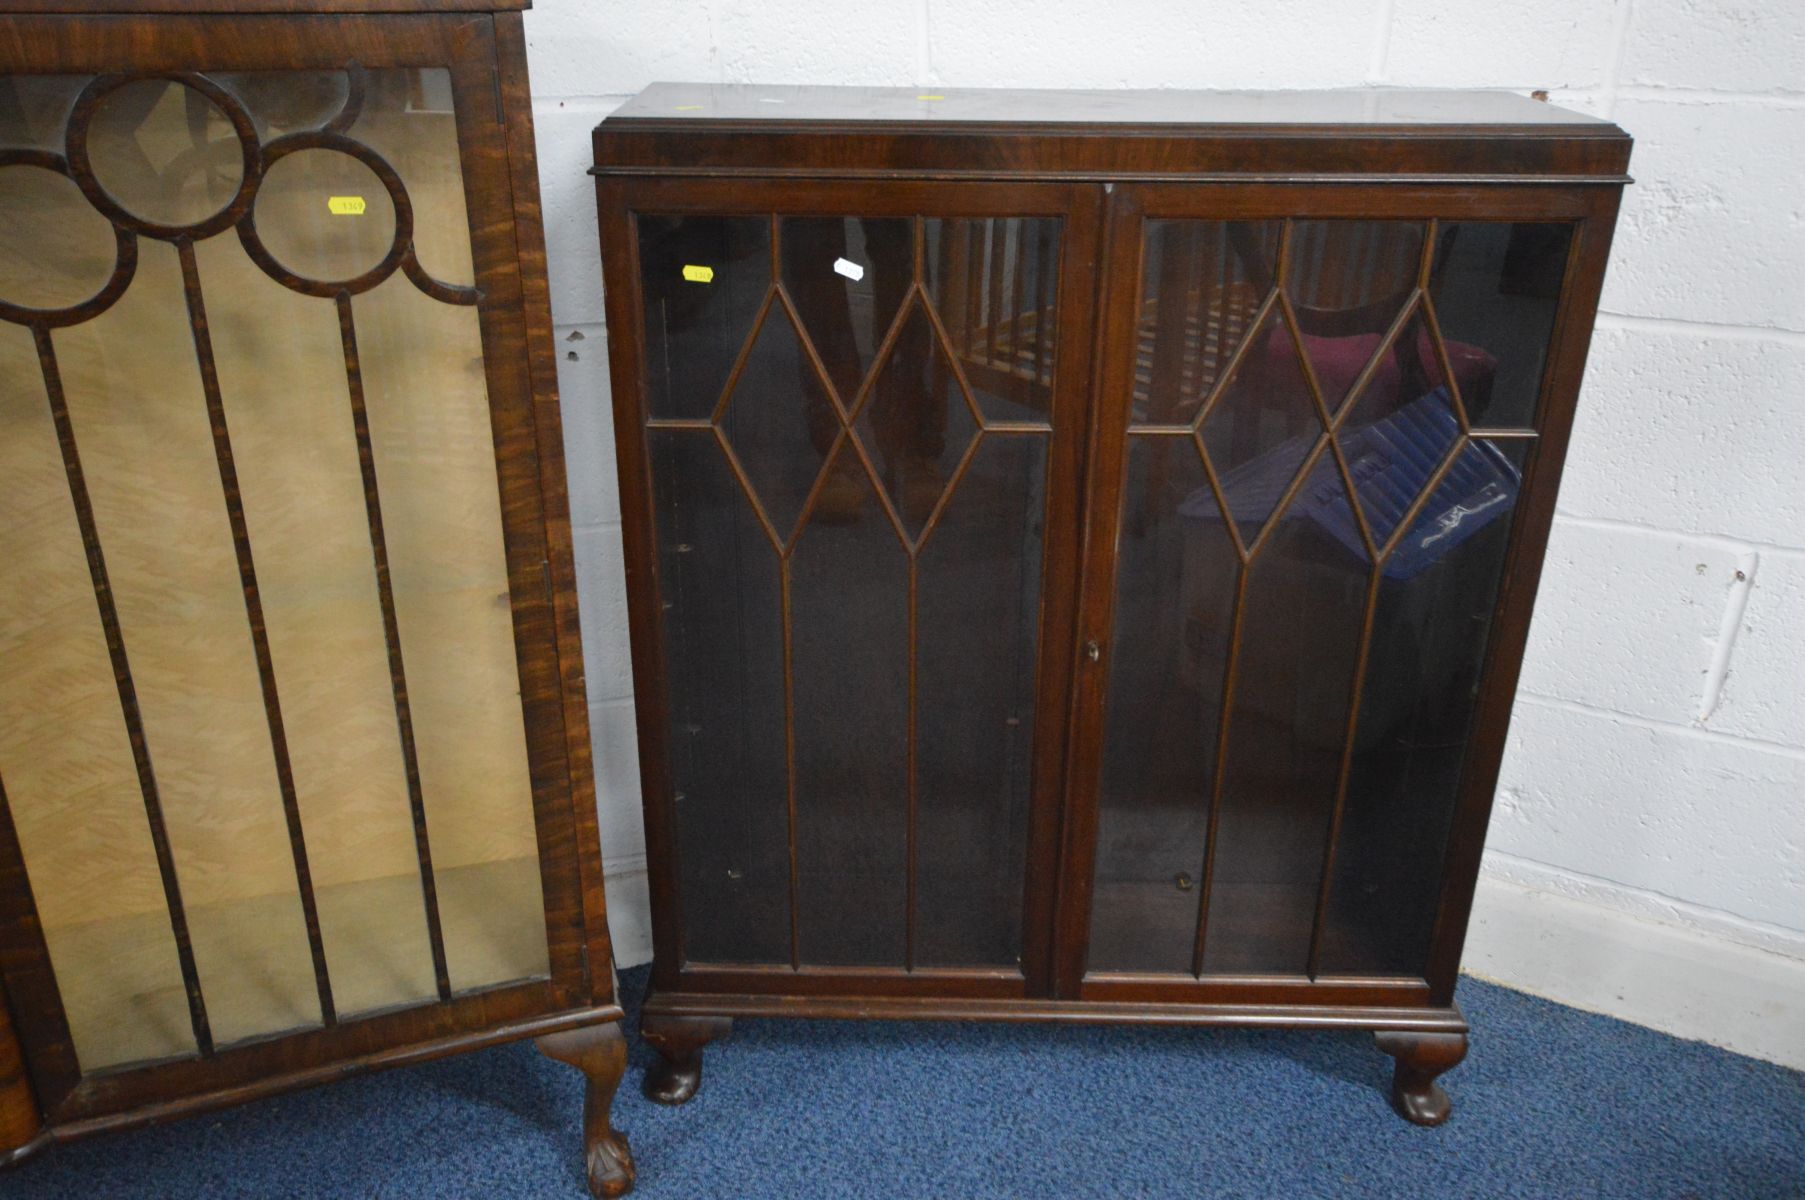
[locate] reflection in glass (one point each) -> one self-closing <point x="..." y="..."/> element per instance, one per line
<point x="65" y="760"/>
<point x="55" y="250"/>
<point x="703" y="280"/>
<point x="723" y="647"/>
<point x="1201" y="288"/>
<point x="849" y="620"/>
<point x="1496" y="289"/>
<point x="1432" y="618"/>
<point x="301" y="226"/>
<point x="1299" y="635"/>
<point x="848" y="277"/>
<point x="1309" y="621"/>
<point x="977" y="625"/>
<point x="916" y="424"/>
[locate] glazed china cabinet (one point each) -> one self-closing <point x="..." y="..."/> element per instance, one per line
<point x="292" y="731"/>
<point x="1080" y="546"/>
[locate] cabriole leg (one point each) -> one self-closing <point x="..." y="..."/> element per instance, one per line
<point x="600" y="1052"/>
<point x="1421" y="1057"/>
<point x="679" y="1040"/>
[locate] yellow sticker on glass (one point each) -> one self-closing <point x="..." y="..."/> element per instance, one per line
<point x="345" y="206"/>
<point x="697" y="274"/>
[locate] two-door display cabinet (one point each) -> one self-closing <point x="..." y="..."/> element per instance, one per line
<point x="293" y="746"/>
<point x="1080" y="546"/>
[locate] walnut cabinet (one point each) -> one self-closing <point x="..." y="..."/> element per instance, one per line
<point x="294" y="762"/>
<point x="1080" y="546"/>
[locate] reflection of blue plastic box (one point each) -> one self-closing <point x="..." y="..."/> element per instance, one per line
<point x="1390" y="461"/>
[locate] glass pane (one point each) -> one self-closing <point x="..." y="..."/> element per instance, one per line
<point x="298" y="224"/>
<point x="55" y="250"/>
<point x="916" y="424"/>
<point x="64" y="755"/>
<point x="164" y="151"/>
<point x="994" y="282"/>
<point x="1299" y="635"/>
<point x="1166" y="666"/>
<point x="406" y="117"/>
<point x="282" y="376"/>
<point x="435" y="457"/>
<point x="847" y="277"/>
<point x="34" y="110"/>
<point x="844" y="561"/>
<point x="140" y="418"/>
<point x="723" y="649"/>
<point x="1202" y="285"/>
<point x="1436" y="597"/>
<point x="977" y="625"/>
<point x="781" y="424"/>
<point x="849" y="621"/>
<point x="1353" y="550"/>
<point x="703" y="280"/>
<point x="1260" y="428"/>
<point x="1496" y="289"/>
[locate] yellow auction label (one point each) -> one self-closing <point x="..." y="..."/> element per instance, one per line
<point x="697" y="274"/>
<point x="345" y="206"/>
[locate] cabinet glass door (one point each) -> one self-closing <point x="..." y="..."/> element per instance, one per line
<point x="849" y="426"/>
<point x="1326" y="428"/>
<point x="261" y="731"/>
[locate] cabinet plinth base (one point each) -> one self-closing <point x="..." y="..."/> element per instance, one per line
<point x="1421" y="1057"/>
<point x="600" y="1052"/>
<point x="673" y="1079"/>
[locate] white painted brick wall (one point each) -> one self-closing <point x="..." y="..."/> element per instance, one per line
<point x="1657" y="758"/>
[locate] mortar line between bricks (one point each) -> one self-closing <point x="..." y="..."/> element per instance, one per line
<point x="1719" y="541"/>
<point x="1608" y="319"/>
<point x="1741" y="741"/>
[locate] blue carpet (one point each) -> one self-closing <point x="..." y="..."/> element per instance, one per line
<point x="1551" y="1102"/>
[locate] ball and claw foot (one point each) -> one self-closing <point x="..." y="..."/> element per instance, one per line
<point x="1421" y="1057"/>
<point x="673" y="1079"/>
<point x="600" y="1052"/>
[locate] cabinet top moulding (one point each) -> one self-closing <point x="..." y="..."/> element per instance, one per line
<point x="1364" y="134"/>
<point x="268" y="8"/>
